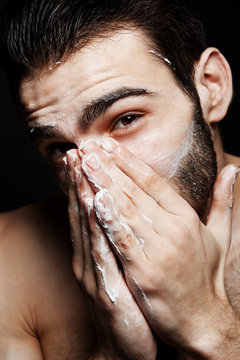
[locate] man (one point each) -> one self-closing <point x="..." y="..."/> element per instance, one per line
<point x="123" y="99"/>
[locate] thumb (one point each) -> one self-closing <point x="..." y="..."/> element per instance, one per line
<point x="220" y="215"/>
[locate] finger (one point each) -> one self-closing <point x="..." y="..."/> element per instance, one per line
<point x="103" y="173"/>
<point x="86" y="198"/>
<point x="127" y="246"/>
<point x="220" y="215"/>
<point x="116" y="304"/>
<point x="146" y="178"/>
<point x="128" y="214"/>
<point x="100" y="265"/>
<point x="107" y="274"/>
<point x="74" y="217"/>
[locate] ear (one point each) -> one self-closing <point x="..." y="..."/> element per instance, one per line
<point x="213" y="79"/>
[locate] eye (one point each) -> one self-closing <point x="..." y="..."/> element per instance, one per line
<point x="126" y="121"/>
<point x="57" y="150"/>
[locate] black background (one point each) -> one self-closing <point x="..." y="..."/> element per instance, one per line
<point x="26" y="178"/>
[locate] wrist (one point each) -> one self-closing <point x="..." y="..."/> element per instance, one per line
<point x="219" y="339"/>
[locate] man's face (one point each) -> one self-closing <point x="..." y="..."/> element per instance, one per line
<point x="116" y="88"/>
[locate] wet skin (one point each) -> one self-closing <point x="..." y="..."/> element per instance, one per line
<point x="159" y="115"/>
<point x="146" y="110"/>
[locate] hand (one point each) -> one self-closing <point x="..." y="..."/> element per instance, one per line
<point x="121" y="329"/>
<point x="173" y="263"/>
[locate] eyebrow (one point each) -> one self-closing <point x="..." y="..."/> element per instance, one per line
<point x="44" y="132"/>
<point x="91" y="111"/>
<point x="100" y="106"/>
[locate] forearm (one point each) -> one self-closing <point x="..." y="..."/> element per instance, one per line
<point x="219" y="343"/>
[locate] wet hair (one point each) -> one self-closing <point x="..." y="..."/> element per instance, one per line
<point x="37" y="33"/>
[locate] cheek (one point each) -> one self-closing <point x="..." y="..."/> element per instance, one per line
<point x="162" y="153"/>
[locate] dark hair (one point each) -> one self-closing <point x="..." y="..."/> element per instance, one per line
<point x="36" y="33"/>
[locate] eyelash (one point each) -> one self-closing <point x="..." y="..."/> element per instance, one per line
<point x="53" y="148"/>
<point x="136" y="116"/>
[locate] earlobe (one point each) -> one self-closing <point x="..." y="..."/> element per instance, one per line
<point x="213" y="80"/>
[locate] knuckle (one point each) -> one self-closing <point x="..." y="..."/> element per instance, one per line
<point x="148" y="287"/>
<point x="179" y="235"/>
<point x="182" y="231"/>
<point x="129" y="210"/>
<point x="151" y="180"/>
<point x="108" y="169"/>
<point x="132" y="190"/>
<point x="107" y="180"/>
<point x="107" y="163"/>
<point x="125" y="242"/>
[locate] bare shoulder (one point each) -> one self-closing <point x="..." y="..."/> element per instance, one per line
<point x="30" y="218"/>
<point x="40" y="299"/>
<point x="34" y="235"/>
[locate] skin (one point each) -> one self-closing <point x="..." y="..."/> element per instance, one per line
<point x="39" y="293"/>
<point x="116" y="223"/>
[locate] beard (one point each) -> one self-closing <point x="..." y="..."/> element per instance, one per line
<point x="194" y="171"/>
<point x="197" y="170"/>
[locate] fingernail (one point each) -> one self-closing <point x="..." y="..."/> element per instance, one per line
<point x="86" y="146"/>
<point x="92" y="161"/>
<point x="109" y="145"/>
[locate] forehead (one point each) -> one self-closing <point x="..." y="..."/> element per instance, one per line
<point x="125" y="58"/>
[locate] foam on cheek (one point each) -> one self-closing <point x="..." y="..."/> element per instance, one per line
<point x="181" y="153"/>
<point x="164" y="162"/>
